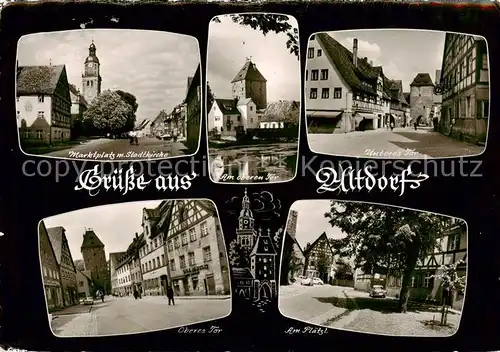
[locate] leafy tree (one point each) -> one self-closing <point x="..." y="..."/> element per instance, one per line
<point x="451" y="282"/>
<point x="277" y="239"/>
<point x="210" y="97"/>
<point x="268" y="22"/>
<point x="238" y="256"/>
<point x="132" y="101"/>
<point x="109" y="113"/>
<point x="383" y="237"/>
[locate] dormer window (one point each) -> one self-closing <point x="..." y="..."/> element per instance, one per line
<point x="41" y="98"/>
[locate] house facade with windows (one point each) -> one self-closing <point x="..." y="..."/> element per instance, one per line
<point x="227" y="115"/>
<point x="43" y="103"/>
<point x="281" y="114"/>
<point x="84" y="282"/>
<point x="198" y="263"/>
<point x="344" y="92"/>
<point x="152" y="252"/>
<point x="193" y="110"/>
<point x="67" y="270"/>
<point x="50" y="270"/>
<point x="114" y="261"/>
<point x="399" y="108"/>
<point x="320" y="259"/>
<point x="466" y="99"/>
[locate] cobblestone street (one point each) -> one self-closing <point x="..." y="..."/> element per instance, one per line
<point x="127" y="315"/>
<point x="402" y="143"/>
<point x="344" y="308"/>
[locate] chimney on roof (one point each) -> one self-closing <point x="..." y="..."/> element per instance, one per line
<point x="136" y="235"/>
<point x="371" y="63"/>
<point x="355" y="52"/>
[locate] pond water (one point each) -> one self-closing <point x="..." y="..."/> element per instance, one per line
<point x="257" y="164"/>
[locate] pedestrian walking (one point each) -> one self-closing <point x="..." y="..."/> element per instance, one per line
<point x="417" y="121"/>
<point x="392" y="122"/>
<point x="102" y="297"/>
<point x="135" y="293"/>
<point x="131" y="136"/>
<point x="170" y="295"/>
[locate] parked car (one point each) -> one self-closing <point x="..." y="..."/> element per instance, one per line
<point x="307" y="281"/>
<point x="88" y="300"/>
<point x="166" y="137"/>
<point x="317" y="281"/>
<point x="378" y="291"/>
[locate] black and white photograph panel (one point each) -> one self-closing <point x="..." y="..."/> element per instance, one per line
<point x="253" y="97"/>
<point x="397" y="94"/>
<point x="160" y="265"/>
<point x="373" y="268"/>
<point x="108" y="94"/>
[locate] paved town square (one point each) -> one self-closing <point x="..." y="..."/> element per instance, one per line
<point x="345" y="308"/>
<point x="401" y="143"/>
<point x="122" y="315"/>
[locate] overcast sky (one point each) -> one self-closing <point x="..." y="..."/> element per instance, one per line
<point x="115" y="225"/>
<point x="401" y="53"/>
<point x="154" y="66"/>
<point x="229" y="45"/>
<point x="311" y="221"/>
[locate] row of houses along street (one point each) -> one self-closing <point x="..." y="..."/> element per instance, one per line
<point x="440" y="112"/>
<point x="173" y="273"/>
<point x="320" y="285"/>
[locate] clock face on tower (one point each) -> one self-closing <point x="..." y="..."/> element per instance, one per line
<point x="90" y="65"/>
<point x="245" y="222"/>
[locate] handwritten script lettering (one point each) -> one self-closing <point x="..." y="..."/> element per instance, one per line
<point x="211" y="330"/>
<point x="346" y="180"/>
<point x="94" y="181"/>
<point x="307" y="330"/>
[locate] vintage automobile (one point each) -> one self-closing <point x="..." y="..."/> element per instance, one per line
<point x="377" y="291"/>
<point x="317" y="281"/>
<point x="88" y="300"/>
<point x="307" y="281"/>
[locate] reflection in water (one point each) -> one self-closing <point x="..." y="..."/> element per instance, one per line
<point x="256" y="164"/>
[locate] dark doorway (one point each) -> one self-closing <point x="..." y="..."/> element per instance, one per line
<point x="265" y="291"/>
<point x="210" y="285"/>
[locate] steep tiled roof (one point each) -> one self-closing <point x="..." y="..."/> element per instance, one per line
<point x="73" y="89"/>
<point x="241" y="273"/>
<point x="311" y="247"/>
<point x="207" y="204"/>
<point x="90" y="240"/>
<point x="358" y="78"/>
<point x="161" y="117"/>
<point x="40" y="123"/>
<point x="228" y="106"/>
<point x="152" y="213"/>
<point x="249" y="72"/>
<point x="56" y="235"/>
<point x="116" y="256"/>
<point x="395" y="90"/>
<point x="264" y="245"/>
<point x="38" y="79"/>
<point x="283" y="110"/>
<point x="407" y="97"/>
<point x="422" y="80"/>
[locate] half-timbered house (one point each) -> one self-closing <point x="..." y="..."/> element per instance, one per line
<point x="50" y="270"/>
<point x="198" y="263"/>
<point x="465" y="78"/>
<point x="67" y="270"/>
<point x="43" y="103"/>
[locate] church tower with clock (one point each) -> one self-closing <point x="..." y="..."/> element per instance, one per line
<point x="246" y="233"/>
<point x="91" y="78"/>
